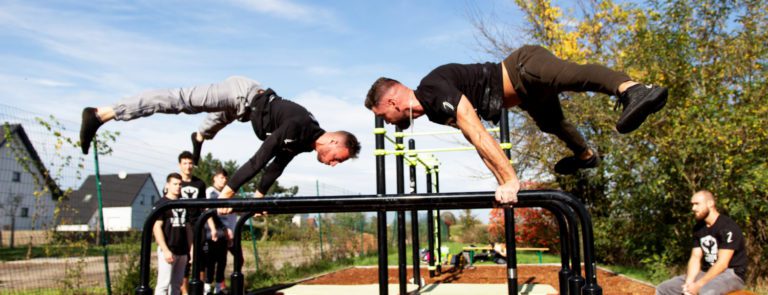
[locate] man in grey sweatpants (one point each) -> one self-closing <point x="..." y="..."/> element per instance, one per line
<point x="236" y="98"/>
<point x="226" y="102"/>
<point x="718" y="262"/>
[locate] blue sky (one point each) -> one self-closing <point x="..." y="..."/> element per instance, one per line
<point x="60" y="56"/>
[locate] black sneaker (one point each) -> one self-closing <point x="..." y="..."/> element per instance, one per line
<point x="88" y="128"/>
<point x="197" y="147"/>
<point x="639" y="101"/>
<point x="569" y="165"/>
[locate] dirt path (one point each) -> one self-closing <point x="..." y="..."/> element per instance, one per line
<point x="611" y="284"/>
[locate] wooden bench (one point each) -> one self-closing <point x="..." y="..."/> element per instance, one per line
<point x="538" y="251"/>
<point x="473" y="249"/>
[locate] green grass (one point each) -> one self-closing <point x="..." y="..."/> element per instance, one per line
<point x="524" y="257"/>
<point x="59" y="251"/>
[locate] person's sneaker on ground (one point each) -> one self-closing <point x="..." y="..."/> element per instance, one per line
<point x="88" y="127"/>
<point x="569" y="165"/>
<point x="639" y="101"/>
<point x="197" y="147"/>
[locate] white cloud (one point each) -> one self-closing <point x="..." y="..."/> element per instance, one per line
<point x="288" y="10"/>
<point x="51" y="83"/>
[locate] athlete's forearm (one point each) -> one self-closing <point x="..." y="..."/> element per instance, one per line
<point x="490" y="151"/>
<point x="694" y="266"/>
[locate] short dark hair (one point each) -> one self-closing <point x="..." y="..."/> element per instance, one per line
<point x="377" y="89"/>
<point x="221" y="171"/>
<point x="351" y="143"/>
<point x="173" y="175"/>
<point x="185" y="155"/>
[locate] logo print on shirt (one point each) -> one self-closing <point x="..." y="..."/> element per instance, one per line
<point x="189" y="192"/>
<point x="730" y="237"/>
<point x="448" y="107"/>
<point x="709" y="246"/>
<point x="288" y="141"/>
<point x="179" y="217"/>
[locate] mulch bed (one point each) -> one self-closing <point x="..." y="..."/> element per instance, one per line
<point x="612" y="284"/>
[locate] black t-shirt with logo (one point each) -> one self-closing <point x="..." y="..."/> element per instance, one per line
<point x="193" y="189"/>
<point x="174" y="228"/>
<point x="440" y="91"/>
<point x="723" y="234"/>
<point x="292" y="130"/>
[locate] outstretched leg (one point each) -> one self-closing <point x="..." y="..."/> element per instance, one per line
<point x="229" y="96"/>
<point x="548" y="115"/>
<point x="539" y="68"/>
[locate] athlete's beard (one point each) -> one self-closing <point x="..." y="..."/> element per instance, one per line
<point x="702" y="215"/>
<point x="406" y="122"/>
<point x="403" y="124"/>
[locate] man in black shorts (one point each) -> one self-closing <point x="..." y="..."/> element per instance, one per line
<point x="531" y="77"/>
<point x="191" y="188"/>
<point x="718" y="262"/>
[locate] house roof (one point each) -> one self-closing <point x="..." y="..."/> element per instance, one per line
<point x="79" y="206"/>
<point x="18" y="130"/>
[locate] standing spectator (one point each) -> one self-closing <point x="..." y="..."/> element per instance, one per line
<point x="191" y="188"/>
<point x="218" y="238"/>
<point x="171" y="236"/>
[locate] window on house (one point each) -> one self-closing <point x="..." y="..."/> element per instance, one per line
<point x="16" y="176"/>
<point x="24" y="212"/>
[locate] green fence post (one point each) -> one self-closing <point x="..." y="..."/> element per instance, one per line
<point x="319" y="219"/>
<point x="101" y="217"/>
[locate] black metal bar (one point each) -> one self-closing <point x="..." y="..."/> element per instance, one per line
<point x="381" y="220"/>
<point x="414" y="222"/>
<point x="402" y="271"/>
<point x="565" y="223"/>
<point x="576" y="281"/>
<point x="430" y="230"/>
<point x="195" y="284"/>
<point x="146" y="247"/>
<point x="382" y="203"/>
<point x="237" y="278"/>
<point x="509" y="216"/>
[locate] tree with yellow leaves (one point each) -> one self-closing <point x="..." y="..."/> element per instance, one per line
<point x="713" y="133"/>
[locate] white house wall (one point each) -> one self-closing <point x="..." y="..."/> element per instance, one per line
<point x="143" y="203"/>
<point x="39" y="208"/>
<point x="117" y="218"/>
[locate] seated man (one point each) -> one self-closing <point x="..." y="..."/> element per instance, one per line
<point x="531" y="77"/>
<point x="718" y="262"/>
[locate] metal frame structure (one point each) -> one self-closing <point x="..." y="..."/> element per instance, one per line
<point x="568" y="211"/>
<point x="569" y="206"/>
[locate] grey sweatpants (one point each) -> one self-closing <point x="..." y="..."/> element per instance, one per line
<point x="226" y="101"/>
<point x="722" y="284"/>
<point x="169" y="275"/>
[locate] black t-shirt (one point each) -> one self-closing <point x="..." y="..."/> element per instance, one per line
<point x="724" y="234"/>
<point x="193" y="189"/>
<point x="293" y="130"/>
<point x="175" y="223"/>
<point x="440" y="91"/>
